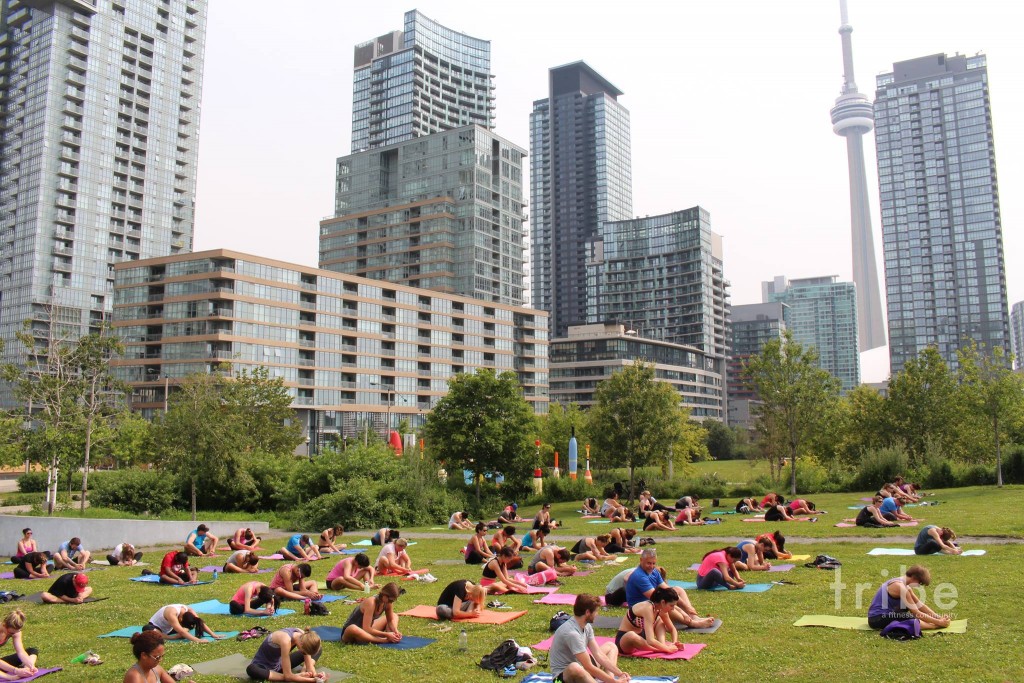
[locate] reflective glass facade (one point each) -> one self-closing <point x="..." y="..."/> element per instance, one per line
<point x="1017" y="333"/>
<point x="580" y="176"/>
<point x="945" y="273"/>
<point x="424" y="79"/>
<point x="353" y="352"/>
<point x="444" y="211"/>
<point x="98" y="149"/>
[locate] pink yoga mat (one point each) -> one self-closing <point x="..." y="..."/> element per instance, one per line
<point x="688" y="651"/>
<point x="560" y="599"/>
<point x="775" y="567"/>
<point x="795" y="519"/>
<point x="847" y="525"/>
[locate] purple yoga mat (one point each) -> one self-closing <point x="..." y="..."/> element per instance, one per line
<point x="215" y="568"/>
<point x="37" y="674"/>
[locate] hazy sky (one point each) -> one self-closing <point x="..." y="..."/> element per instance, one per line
<point x="729" y="102"/>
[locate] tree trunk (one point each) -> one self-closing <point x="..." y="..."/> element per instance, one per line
<point x="193" y="499"/>
<point x="631" y="483"/>
<point x="476" y="475"/>
<point x="51" y="485"/>
<point x="999" y="455"/>
<point x="792" y="459"/>
<point x="85" y="468"/>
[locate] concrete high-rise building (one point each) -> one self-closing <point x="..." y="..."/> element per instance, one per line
<point x="580" y="177"/>
<point x="421" y="80"/>
<point x="662" y="277"/>
<point x="1017" y="333"/>
<point x="98" y="152"/>
<point x="822" y="312"/>
<point x="444" y="212"/>
<point x="945" y="275"/>
<point x="751" y="326"/>
<point x="852" y="118"/>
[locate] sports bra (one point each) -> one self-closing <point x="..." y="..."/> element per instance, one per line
<point x="635" y="620"/>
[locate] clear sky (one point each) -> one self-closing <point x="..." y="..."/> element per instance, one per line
<point x="729" y="102"/>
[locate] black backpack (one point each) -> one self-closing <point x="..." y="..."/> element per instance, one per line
<point x="824" y="562"/>
<point x="501" y="657"/>
<point x="557" y="620"/>
<point x="315" y="608"/>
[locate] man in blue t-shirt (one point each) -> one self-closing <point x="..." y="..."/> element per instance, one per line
<point x="646" y="578"/>
<point x="890" y="509"/>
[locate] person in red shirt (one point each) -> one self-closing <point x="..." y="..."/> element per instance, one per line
<point x="174" y="569"/>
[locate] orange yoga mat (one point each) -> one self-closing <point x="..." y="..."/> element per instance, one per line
<point x="486" y="616"/>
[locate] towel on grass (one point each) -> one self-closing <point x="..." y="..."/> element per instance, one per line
<point x="485" y="616"/>
<point x="333" y="634"/>
<point x="234" y="666"/>
<point x="749" y="588"/>
<point x="129" y="631"/>
<point x="688" y="651"/>
<point x="908" y="551"/>
<point x="861" y="624"/>
<point x="218" y="607"/>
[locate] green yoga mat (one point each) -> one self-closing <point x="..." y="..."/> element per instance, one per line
<point x="861" y="624"/>
<point x="234" y="665"/>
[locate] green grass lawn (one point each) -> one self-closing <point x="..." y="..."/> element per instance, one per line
<point x="756" y="641"/>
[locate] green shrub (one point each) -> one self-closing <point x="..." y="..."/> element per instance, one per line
<point x="32" y="482"/>
<point x="1013" y="465"/>
<point x="939" y="475"/>
<point x="879" y="466"/>
<point x="135" y="491"/>
<point x="565" y="489"/>
<point x="977" y="475"/>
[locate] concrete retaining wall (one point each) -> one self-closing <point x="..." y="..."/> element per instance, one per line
<point x="103" y="534"/>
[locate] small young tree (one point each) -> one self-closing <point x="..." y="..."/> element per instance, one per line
<point x="923" y="403"/>
<point x="994" y="391"/>
<point x="263" y="409"/>
<point x="483" y="425"/>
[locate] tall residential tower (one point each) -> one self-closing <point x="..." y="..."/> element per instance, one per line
<point x="98" y="152"/>
<point x="945" y="276"/>
<point x="580" y="177"/>
<point x="852" y="118"/>
<point x="422" y="80"/>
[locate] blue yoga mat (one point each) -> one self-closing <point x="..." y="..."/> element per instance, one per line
<point x="351" y="551"/>
<point x="129" y="631"/>
<point x="218" y="607"/>
<point x="333" y="634"/>
<point x="333" y="598"/>
<point x="749" y="588"/>
<point x="154" y="578"/>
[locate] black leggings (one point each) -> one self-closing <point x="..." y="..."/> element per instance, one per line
<point x="773" y="514"/>
<point x="15" y="660"/>
<point x="114" y="561"/>
<point x="616" y="598"/>
<point x="236" y="608"/>
<point x="262" y="673"/>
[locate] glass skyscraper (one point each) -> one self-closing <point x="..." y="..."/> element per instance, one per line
<point x="945" y="275"/>
<point x="580" y="176"/>
<point x="98" y="152"/>
<point x="422" y="80"/>
<point x="1017" y="333"/>
<point x="822" y="313"/>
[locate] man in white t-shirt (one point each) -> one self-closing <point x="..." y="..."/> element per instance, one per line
<point x="575" y="656"/>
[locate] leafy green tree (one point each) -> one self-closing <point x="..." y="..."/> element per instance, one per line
<point x="994" y="391"/>
<point x="483" y="425"/>
<point x="924" y="403"/>
<point x="794" y="395"/>
<point x="636" y="419"/>
<point x="262" y="406"/>
<point x="132" y="442"/>
<point x="721" y="441"/>
<point x="555" y="429"/>
<point x="691" y="446"/>
<point x="861" y="424"/>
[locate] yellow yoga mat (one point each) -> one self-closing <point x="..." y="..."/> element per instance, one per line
<point x="861" y="624"/>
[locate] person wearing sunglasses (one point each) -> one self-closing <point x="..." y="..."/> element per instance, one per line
<point x="148" y="648"/>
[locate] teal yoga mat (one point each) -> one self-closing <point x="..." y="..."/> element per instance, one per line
<point x="129" y="631"/>
<point x="218" y="607"/>
<point x="749" y="588"/>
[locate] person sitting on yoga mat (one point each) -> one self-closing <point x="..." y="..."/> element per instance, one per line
<point x="871" y="517"/>
<point x="648" y="625"/>
<point x="799" y="506"/>
<point x="657" y="520"/>
<point x="124" y="555"/>
<point x="752" y="556"/>
<point x="648" y="502"/>
<point x="908" y="490"/>
<point x="31" y="566"/>
<point x="351" y="572"/>
<point x="244" y="539"/>
<point x="898" y="493"/>
<point x="892" y="509"/>
<point x="505" y="537"/>
<point x="896" y="600"/>
<point x="23" y="662"/>
<point x="254" y="598"/>
<point x="460" y="600"/>
<point x="689" y="516"/>
<point x="771" y="499"/>
<point x="622" y="541"/>
<point x="328" y="538"/>
<point x="592" y="548"/>
<point x="71" y="555"/>
<point x="275" y="660"/>
<point x="613" y="510"/>
<point x="394" y="559"/>
<point x="615" y="591"/>
<point x="689" y="502"/>
<point x="748" y="505"/>
<point x="201" y="542"/>
<point x="374" y="619"/>
<point x="175" y="621"/>
<point x="292" y="582"/>
<point x="778" y="511"/>
<point x="510" y="514"/>
<point x="551" y="559"/>
<point x="590" y="507"/>
<point x="644" y="579"/>
<point x="543" y="518"/>
<point x="242" y="562"/>
<point x="174" y="569"/>
<point x="534" y="539"/>
<point x="26" y="545"/>
<point x="777" y="541"/>
<point x="933" y="539"/>
<point x="148" y="648"/>
<point x="72" y="589"/>
<point x="477" y="550"/>
<point x="575" y="656"/>
<point x="496" y="577"/>
<point x="300" y="547"/>
<point x="460" y="521"/>
<point x="718" y="568"/>
<point x="384" y="536"/>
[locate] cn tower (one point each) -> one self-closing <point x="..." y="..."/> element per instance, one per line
<point x="852" y="117"/>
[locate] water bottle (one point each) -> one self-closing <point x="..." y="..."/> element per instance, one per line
<point x="214" y="574"/>
<point x="463" y="641"/>
<point x="366" y="586"/>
